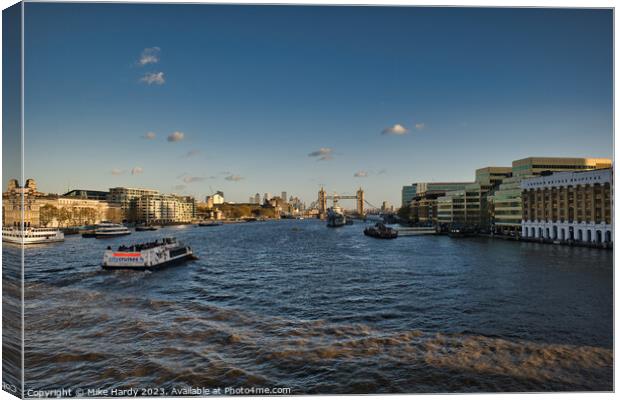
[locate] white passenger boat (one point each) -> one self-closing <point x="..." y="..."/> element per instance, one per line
<point x="147" y="256"/>
<point x="32" y="235"/>
<point x="107" y="229"/>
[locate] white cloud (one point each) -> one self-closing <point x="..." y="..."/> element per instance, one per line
<point x="153" y="78"/>
<point x="360" y="174"/>
<point x="137" y="170"/>
<point x="420" y="126"/>
<point x="176" y="136"/>
<point x="149" y="135"/>
<point x="324" y="153"/>
<point x="117" y="171"/>
<point x="149" y="55"/>
<point x="396" y="129"/>
<point x="234" y="178"/>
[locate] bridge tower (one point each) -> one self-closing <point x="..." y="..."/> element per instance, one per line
<point x="360" y="202"/>
<point x="322" y="203"/>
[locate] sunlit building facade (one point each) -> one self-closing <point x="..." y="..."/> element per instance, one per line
<point x="569" y="206"/>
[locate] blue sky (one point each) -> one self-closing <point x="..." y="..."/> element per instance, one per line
<point x="394" y="95"/>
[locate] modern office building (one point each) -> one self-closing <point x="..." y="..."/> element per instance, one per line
<point x="424" y="204"/>
<point x="165" y="209"/>
<point x="505" y="203"/>
<point x="407" y="194"/>
<point x="569" y="206"/>
<point x="470" y="205"/>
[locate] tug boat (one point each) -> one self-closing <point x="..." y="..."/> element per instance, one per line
<point x="335" y="217"/>
<point x="380" y="231"/>
<point x="147" y="256"/>
<point x="32" y="235"/>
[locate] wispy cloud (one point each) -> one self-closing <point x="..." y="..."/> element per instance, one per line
<point x="420" y="126"/>
<point x="324" y="153"/>
<point x="150" y="55"/>
<point x="117" y="171"/>
<point x="149" y="135"/>
<point x="179" y="187"/>
<point x="176" y="136"/>
<point x="137" y="170"/>
<point x="382" y="171"/>
<point x="234" y="178"/>
<point x="396" y="129"/>
<point x="192" y="153"/>
<point x="153" y="78"/>
<point x="360" y="174"/>
<point x="193" y="179"/>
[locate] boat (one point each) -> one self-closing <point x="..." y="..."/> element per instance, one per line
<point x="210" y="223"/>
<point x="147" y="256"/>
<point x="416" y="231"/>
<point x="142" y="228"/>
<point x="462" y="231"/>
<point x="32" y="235"/>
<point x="107" y="229"/>
<point x="380" y="231"/>
<point x="335" y="217"/>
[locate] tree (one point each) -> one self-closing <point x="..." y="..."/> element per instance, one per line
<point x="404" y="212"/>
<point x="47" y="214"/>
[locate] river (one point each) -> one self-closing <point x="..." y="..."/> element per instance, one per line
<point x="293" y="304"/>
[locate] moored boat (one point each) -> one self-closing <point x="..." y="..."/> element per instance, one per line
<point x="147" y="256"/>
<point x="143" y="228"/>
<point x="335" y="217"/>
<point x="380" y="231"/>
<point x="210" y="223"/>
<point x="32" y="235"/>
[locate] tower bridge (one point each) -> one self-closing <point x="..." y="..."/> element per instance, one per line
<point x="323" y="197"/>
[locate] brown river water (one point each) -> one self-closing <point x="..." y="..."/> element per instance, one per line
<point x="293" y="304"/>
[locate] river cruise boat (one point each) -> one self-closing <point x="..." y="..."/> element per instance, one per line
<point x="107" y="229"/>
<point x="335" y="217"/>
<point x="32" y="235"/>
<point x="147" y="256"/>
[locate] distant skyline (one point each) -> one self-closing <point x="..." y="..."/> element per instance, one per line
<point x="244" y="99"/>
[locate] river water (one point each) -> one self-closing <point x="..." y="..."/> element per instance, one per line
<point x="293" y="304"/>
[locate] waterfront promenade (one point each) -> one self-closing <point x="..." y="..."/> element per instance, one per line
<point x="293" y="304"/>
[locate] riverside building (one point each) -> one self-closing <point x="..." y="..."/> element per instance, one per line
<point x="407" y="194"/>
<point x="165" y="209"/>
<point x="569" y="207"/>
<point x="469" y="206"/>
<point x="424" y="204"/>
<point x="505" y="204"/>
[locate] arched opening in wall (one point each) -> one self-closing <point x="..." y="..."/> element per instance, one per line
<point x="580" y="235"/>
<point x="608" y="236"/>
<point x="555" y="232"/>
<point x="571" y="233"/>
<point x="546" y="233"/>
<point x="540" y="234"/>
<point x="589" y="235"/>
<point x="599" y="236"/>
<point x="532" y="232"/>
<point x="562" y="234"/>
